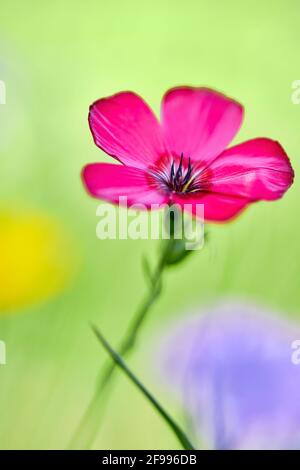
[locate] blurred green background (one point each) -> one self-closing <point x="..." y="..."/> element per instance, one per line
<point x="58" y="57"/>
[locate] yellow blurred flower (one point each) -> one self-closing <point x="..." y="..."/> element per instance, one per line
<point x="36" y="261"/>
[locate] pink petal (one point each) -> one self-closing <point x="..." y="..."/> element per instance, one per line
<point x="199" y="122"/>
<point x="217" y="207"/>
<point x="125" y="127"/>
<point x="256" y="169"/>
<point x="109" y="182"/>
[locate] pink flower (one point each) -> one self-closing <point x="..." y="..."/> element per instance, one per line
<point x="183" y="159"/>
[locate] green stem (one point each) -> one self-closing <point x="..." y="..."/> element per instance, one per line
<point x="90" y="423"/>
<point x="181" y="436"/>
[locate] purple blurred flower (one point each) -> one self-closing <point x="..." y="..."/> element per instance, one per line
<point x="233" y="368"/>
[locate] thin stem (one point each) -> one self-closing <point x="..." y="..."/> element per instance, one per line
<point x="90" y="423"/>
<point x="117" y="359"/>
<point x="131" y="337"/>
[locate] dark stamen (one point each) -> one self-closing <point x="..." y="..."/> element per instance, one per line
<point x="188" y="173"/>
<point x="172" y="172"/>
<point x="179" y="169"/>
<point x="181" y="179"/>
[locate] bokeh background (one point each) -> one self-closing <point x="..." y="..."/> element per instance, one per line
<point x="56" y="276"/>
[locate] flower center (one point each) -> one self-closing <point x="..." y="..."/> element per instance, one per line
<point x="175" y="176"/>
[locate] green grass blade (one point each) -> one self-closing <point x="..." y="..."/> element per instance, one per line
<point x="183" y="439"/>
